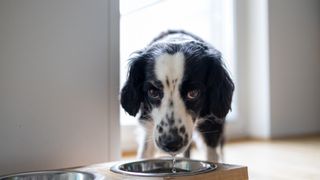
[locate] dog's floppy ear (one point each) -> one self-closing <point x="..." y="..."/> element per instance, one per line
<point x="131" y="93"/>
<point x="220" y="86"/>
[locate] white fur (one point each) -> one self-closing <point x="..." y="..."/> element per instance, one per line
<point x="212" y="154"/>
<point x="145" y="140"/>
<point x="171" y="68"/>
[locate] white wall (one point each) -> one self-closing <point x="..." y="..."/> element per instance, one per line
<point x="253" y="67"/>
<point x="259" y="101"/>
<point x="58" y="102"/>
<point x="278" y="51"/>
<point x="294" y="66"/>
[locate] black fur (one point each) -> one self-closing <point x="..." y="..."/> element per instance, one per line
<point x="131" y="94"/>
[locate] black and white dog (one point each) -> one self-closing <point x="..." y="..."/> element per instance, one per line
<point x="178" y="86"/>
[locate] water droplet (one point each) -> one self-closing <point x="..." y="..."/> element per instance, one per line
<point x="173" y="164"/>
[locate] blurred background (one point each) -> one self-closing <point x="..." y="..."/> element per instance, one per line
<point x="63" y="62"/>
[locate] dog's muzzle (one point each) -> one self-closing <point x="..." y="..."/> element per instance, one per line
<point x="170" y="143"/>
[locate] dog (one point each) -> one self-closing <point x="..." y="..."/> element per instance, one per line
<point x="178" y="86"/>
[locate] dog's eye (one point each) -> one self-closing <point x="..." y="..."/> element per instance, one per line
<point x="154" y="93"/>
<point x="193" y="94"/>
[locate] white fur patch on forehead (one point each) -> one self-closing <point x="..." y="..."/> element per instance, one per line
<point x="169" y="67"/>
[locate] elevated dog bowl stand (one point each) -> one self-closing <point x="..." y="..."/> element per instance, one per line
<point x="223" y="172"/>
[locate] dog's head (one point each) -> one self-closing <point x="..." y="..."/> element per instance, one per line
<point x="174" y="85"/>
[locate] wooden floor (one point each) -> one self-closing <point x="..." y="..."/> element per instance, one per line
<point x="294" y="159"/>
<point x="286" y="159"/>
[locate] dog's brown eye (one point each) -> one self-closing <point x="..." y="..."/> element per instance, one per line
<point x="193" y="94"/>
<point x="153" y="93"/>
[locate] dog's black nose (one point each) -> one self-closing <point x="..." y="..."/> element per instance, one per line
<point x="170" y="143"/>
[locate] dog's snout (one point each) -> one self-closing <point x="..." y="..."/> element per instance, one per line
<point x="171" y="133"/>
<point x="170" y="143"/>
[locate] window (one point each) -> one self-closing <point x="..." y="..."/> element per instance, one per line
<point x="142" y="20"/>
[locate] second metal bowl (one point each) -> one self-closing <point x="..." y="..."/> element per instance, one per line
<point x="50" y="175"/>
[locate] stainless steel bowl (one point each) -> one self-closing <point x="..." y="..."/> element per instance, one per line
<point x="163" y="167"/>
<point x="50" y="175"/>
